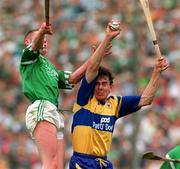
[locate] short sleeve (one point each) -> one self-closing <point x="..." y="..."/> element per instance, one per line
<point x="85" y="91"/>
<point x="63" y="82"/>
<point x="29" y="56"/>
<point x="129" y="104"/>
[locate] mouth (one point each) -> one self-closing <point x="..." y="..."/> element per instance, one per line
<point x="100" y="93"/>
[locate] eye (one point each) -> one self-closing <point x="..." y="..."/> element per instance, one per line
<point x="104" y="83"/>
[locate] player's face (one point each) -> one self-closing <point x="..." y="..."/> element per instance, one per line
<point x="102" y="88"/>
<point x="44" y="45"/>
<point x="45" y="42"/>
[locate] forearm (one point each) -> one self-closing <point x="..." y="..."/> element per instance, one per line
<point x="76" y="76"/>
<point x="37" y="42"/>
<point x="150" y="91"/>
<point x="91" y="67"/>
<point x="96" y="58"/>
<point x="92" y="63"/>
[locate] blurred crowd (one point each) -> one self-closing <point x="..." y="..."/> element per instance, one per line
<point x="79" y="24"/>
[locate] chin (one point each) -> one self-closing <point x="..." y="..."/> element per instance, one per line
<point x="101" y="98"/>
<point x="43" y="53"/>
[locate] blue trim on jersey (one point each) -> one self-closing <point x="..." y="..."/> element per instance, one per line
<point x="85" y="91"/>
<point x="97" y="121"/>
<point x="129" y="105"/>
<point x="83" y="117"/>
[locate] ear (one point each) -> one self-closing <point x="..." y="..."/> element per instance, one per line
<point x="27" y="42"/>
<point x="111" y="86"/>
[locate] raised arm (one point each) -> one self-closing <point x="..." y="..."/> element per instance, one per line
<point x="77" y="75"/>
<point x="38" y="38"/>
<point x="96" y="58"/>
<point x="150" y="91"/>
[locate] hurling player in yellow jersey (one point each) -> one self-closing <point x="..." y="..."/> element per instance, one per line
<point x="96" y="111"/>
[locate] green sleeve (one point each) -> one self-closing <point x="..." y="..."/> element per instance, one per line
<point x="165" y="165"/>
<point x="63" y="82"/>
<point x="174" y="154"/>
<point x="29" y="56"/>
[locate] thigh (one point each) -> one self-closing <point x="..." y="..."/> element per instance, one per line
<point x="46" y="141"/>
<point x="60" y="153"/>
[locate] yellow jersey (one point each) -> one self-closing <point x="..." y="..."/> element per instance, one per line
<point x="93" y="122"/>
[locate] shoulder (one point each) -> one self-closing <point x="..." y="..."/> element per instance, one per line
<point x="29" y="56"/>
<point x="115" y="99"/>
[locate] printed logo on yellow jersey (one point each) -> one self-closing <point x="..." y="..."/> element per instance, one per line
<point x="108" y="104"/>
<point x="105" y="124"/>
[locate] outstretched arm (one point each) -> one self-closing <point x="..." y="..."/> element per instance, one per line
<point x="96" y="58"/>
<point x="38" y="38"/>
<point x="150" y="91"/>
<point x="76" y="76"/>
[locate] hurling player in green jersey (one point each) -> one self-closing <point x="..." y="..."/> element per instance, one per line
<point x="41" y="82"/>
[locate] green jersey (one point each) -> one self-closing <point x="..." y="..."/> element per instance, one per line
<point x="40" y="79"/>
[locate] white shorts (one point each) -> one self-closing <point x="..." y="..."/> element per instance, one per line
<point x="44" y="110"/>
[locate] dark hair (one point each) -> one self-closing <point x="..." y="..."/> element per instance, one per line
<point x="106" y="72"/>
<point x="28" y="34"/>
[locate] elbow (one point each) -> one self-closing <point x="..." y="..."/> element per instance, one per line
<point x="72" y="80"/>
<point x="145" y="101"/>
<point x="149" y="101"/>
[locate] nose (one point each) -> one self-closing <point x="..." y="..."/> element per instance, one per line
<point x="100" y="86"/>
<point x="45" y="45"/>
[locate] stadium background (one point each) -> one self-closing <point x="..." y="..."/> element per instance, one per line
<point x="78" y="24"/>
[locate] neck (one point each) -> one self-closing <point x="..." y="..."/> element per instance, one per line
<point x="102" y="101"/>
